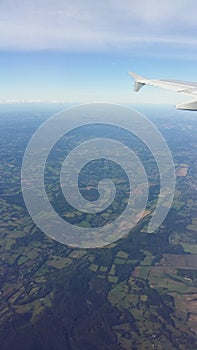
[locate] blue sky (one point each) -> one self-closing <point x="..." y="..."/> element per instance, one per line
<point x="81" y="51"/>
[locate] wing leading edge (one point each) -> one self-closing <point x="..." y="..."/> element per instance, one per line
<point x="174" y="85"/>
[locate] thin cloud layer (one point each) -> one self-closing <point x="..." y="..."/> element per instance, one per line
<point x="106" y="26"/>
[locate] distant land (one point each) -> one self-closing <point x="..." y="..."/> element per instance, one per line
<point x="137" y="293"/>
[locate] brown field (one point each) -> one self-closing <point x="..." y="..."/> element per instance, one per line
<point x="182" y="171"/>
<point x="187" y="304"/>
<point x="181" y="261"/>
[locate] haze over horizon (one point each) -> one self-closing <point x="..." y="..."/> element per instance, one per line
<point x="82" y="51"/>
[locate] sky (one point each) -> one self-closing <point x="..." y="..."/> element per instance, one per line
<point x="82" y="50"/>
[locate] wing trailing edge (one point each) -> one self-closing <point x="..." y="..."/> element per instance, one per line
<point x="190" y="106"/>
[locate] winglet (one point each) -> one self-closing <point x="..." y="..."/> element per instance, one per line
<point x="139" y="81"/>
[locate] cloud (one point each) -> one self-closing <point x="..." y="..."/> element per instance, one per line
<point x="127" y="26"/>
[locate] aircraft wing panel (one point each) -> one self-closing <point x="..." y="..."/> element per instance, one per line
<point x="174" y="85"/>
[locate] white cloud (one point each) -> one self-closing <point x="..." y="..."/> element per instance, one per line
<point x="99" y="26"/>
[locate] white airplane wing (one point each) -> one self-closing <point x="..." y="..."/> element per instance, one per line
<point x="175" y="85"/>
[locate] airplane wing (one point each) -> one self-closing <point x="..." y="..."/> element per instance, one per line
<point x="175" y="85"/>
